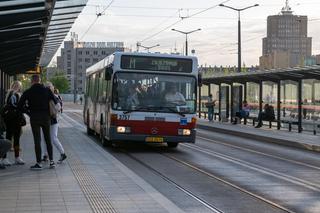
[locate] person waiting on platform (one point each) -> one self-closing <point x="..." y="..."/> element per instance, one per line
<point x="267" y="115"/>
<point x="173" y="96"/>
<point x="210" y="105"/>
<point x="243" y="112"/>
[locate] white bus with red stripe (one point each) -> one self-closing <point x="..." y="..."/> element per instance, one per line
<point x="142" y="97"/>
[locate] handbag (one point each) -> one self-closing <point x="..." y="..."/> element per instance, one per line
<point x="54" y="109"/>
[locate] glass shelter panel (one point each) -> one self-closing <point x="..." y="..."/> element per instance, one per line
<point x="269" y="94"/>
<point x="253" y="98"/>
<point x="289" y="102"/>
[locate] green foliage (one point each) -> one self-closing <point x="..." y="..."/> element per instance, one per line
<point x="60" y="82"/>
<point x="25" y="80"/>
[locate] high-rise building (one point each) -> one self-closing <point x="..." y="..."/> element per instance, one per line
<point x="76" y="57"/>
<point x="287" y="34"/>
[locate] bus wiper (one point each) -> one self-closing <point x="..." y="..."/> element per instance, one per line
<point x="136" y="109"/>
<point x="171" y="110"/>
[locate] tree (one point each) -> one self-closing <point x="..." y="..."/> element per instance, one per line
<point x="25" y="80"/>
<point x="60" y="82"/>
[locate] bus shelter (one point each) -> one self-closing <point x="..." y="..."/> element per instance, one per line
<point x="294" y="93"/>
<point x="31" y="31"/>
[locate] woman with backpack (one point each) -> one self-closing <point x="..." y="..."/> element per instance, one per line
<point x="14" y="120"/>
<point x="54" y="128"/>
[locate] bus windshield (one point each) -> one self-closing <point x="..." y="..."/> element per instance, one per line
<point x="154" y="92"/>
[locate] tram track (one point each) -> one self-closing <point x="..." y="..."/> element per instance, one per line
<point x="258" y="152"/>
<point x="285" y="177"/>
<point x="209" y="206"/>
<point x="175" y="184"/>
<point x="251" y="166"/>
<point x="210" y="175"/>
<point x="256" y="196"/>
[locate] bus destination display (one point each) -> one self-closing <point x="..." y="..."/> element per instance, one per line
<point x="156" y="64"/>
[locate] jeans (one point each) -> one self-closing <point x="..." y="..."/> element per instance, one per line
<point x="210" y="113"/>
<point x="54" y="139"/>
<point x="37" y="124"/>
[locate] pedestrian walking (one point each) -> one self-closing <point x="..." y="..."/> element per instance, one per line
<point x="54" y="129"/>
<point x="14" y="120"/>
<point x="35" y="101"/>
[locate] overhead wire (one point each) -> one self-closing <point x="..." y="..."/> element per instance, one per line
<point x="180" y="20"/>
<point x="95" y="20"/>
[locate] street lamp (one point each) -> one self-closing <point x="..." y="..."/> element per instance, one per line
<point x="147" y="47"/>
<point x="186" y="33"/>
<point x="239" y="29"/>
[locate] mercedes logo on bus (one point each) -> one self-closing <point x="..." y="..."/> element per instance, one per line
<point x="154" y="130"/>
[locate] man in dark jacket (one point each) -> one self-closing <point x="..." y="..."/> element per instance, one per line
<point x="35" y="102"/>
<point x="266" y="115"/>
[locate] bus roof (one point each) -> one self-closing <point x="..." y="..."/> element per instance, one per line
<point x="109" y="59"/>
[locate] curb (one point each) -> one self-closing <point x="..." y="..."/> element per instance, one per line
<point x="279" y="141"/>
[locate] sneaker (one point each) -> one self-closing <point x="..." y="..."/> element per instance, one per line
<point x="62" y="158"/>
<point x="19" y="161"/>
<point x="6" y="162"/>
<point x="45" y="158"/>
<point x="37" y="166"/>
<point x="52" y="164"/>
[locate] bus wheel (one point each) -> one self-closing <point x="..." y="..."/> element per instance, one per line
<point x="105" y="142"/>
<point x="172" y="144"/>
<point x="89" y="131"/>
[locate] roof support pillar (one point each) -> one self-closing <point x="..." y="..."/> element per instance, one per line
<point x="199" y="103"/>
<point x="220" y="102"/>
<point x="279" y="104"/>
<point x="231" y="103"/>
<point x="299" y="105"/>
<point x="1" y="88"/>
<point x="244" y="98"/>
<point x="260" y="96"/>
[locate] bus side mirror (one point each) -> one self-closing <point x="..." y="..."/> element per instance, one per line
<point x="109" y="72"/>
<point x="199" y="80"/>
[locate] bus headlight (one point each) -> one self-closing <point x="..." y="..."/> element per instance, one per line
<point x="184" y="132"/>
<point x="123" y="129"/>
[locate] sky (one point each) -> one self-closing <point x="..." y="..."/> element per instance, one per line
<point x="150" y="22"/>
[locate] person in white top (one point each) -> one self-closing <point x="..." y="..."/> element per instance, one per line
<point x="174" y="97"/>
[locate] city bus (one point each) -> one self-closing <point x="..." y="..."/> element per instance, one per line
<point x="142" y="97"/>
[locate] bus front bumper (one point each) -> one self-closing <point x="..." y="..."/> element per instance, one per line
<point x="114" y="136"/>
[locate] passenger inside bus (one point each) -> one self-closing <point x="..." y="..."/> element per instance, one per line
<point x="173" y="96"/>
<point x="132" y="100"/>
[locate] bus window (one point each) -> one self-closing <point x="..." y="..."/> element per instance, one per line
<point x="154" y="91"/>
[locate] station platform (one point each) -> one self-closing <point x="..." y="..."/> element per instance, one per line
<point x="90" y="180"/>
<point x="282" y="137"/>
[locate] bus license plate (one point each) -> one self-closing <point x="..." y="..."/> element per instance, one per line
<point x="154" y="139"/>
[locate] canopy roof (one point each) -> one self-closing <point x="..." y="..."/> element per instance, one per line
<point x="275" y="75"/>
<point x="31" y="31"/>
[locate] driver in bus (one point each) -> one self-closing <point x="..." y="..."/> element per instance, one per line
<point x="173" y="96"/>
<point x="132" y="100"/>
